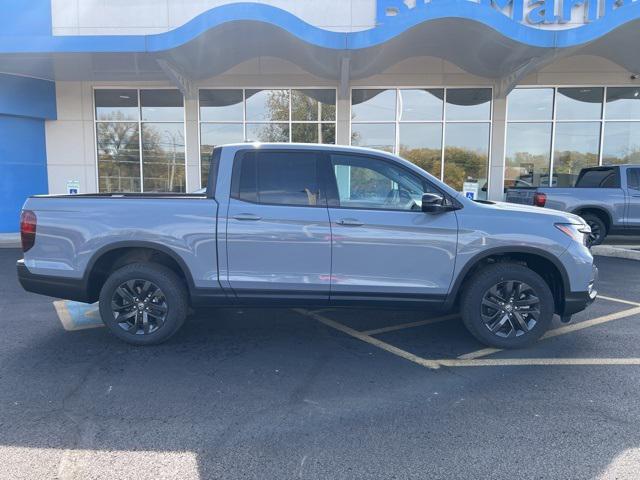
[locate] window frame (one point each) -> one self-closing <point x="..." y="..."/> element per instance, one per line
<point x="235" y="180"/>
<point x="332" y="191"/>
<point x="443" y="121"/>
<point x="553" y="121"/>
<point x="244" y="121"/>
<point x="139" y="121"/>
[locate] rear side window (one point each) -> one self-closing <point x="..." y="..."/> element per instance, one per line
<point x="633" y="178"/>
<point x="277" y="178"/>
<point x="599" y="178"/>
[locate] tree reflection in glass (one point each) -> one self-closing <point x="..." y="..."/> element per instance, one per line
<point x="163" y="162"/>
<point x="118" y="157"/>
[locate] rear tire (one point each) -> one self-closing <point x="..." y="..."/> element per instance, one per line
<point x="507" y="305"/>
<point x="143" y="303"/>
<point x="598" y="229"/>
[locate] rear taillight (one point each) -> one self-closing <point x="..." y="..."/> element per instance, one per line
<point x="28" y="221"/>
<point x="539" y="199"/>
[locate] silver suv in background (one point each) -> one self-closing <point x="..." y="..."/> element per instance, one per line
<point x="608" y="198"/>
<point x="313" y="226"/>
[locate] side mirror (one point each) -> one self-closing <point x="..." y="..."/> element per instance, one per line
<point x="435" y="203"/>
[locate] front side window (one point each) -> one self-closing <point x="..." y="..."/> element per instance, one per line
<point x="277" y="178"/>
<point x="366" y="182"/>
<point x="140" y="140"/>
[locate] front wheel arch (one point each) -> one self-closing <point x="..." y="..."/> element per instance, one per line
<point x="543" y="263"/>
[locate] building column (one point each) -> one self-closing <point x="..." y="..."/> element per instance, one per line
<point x="192" y="144"/>
<point x="343" y="112"/>
<point x="343" y="104"/>
<point x="497" y="154"/>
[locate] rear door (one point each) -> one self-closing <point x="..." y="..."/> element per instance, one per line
<point x="278" y="232"/>
<point x="633" y="198"/>
<point x="384" y="247"/>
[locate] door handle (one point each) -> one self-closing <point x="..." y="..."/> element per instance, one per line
<point x="247" y="216"/>
<point x="350" y="222"/>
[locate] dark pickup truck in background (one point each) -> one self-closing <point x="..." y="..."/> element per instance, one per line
<point x="608" y="198"/>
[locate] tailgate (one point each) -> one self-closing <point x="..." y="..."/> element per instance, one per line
<point x="523" y="196"/>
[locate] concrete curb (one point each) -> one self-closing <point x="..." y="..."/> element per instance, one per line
<point x="617" y="252"/>
<point x="9" y="240"/>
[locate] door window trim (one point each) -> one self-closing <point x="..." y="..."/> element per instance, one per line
<point x="333" y="197"/>
<point x="235" y="180"/>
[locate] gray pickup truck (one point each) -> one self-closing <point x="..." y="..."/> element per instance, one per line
<point x="312" y="226"/>
<point x="608" y="198"/>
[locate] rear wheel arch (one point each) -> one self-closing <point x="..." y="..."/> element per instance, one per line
<point x="598" y="212"/>
<point x="111" y="258"/>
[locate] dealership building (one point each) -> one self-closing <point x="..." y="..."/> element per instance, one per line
<point x="132" y="95"/>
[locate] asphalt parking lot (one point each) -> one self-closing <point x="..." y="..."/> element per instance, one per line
<point x="334" y="394"/>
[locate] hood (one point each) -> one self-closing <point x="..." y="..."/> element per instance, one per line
<point x="558" y="215"/>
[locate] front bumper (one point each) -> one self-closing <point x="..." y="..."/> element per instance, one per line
<point x="575" y="302"/>
<point x="60" y="287"/>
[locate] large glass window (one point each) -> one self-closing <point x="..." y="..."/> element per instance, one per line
<point x="528" y="154"/>
<point x="466" y="156"/>
<point x="140" y="140"/>
<point x="264" y="115"/>
<point x="621" y="143"/>
<point x="576" y="147"/>
<point x="623" y="103"/>
<point x="579" y="103"/>
<point x="587" y="126"/>
<point x="444" y="131"/>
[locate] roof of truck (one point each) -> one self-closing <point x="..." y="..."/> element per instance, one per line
<point x="306" y="146"/>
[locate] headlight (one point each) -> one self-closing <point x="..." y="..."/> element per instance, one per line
<point x="578" y="231"/>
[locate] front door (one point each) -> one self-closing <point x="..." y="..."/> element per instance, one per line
<point x="384" y="247"/>
<point x="633" y="198"/>
<point x="278" y="232"/>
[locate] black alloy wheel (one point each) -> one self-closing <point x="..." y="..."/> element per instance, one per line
<point x="139" y="307"/>
<point x="510" y="308"/>
<point x="144" y="303"/>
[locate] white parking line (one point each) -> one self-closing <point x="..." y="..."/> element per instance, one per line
<point x="574" y="327"/>
<point x="402" y="326"/>
<point x="373" y="341"/>
<point x="619" y="300"/>
<point x="472" y="359"/>
<point x="508" y="362"/>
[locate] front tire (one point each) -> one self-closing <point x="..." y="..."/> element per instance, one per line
<point x="507" y="305"/>
<point x="143" y="303"/>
